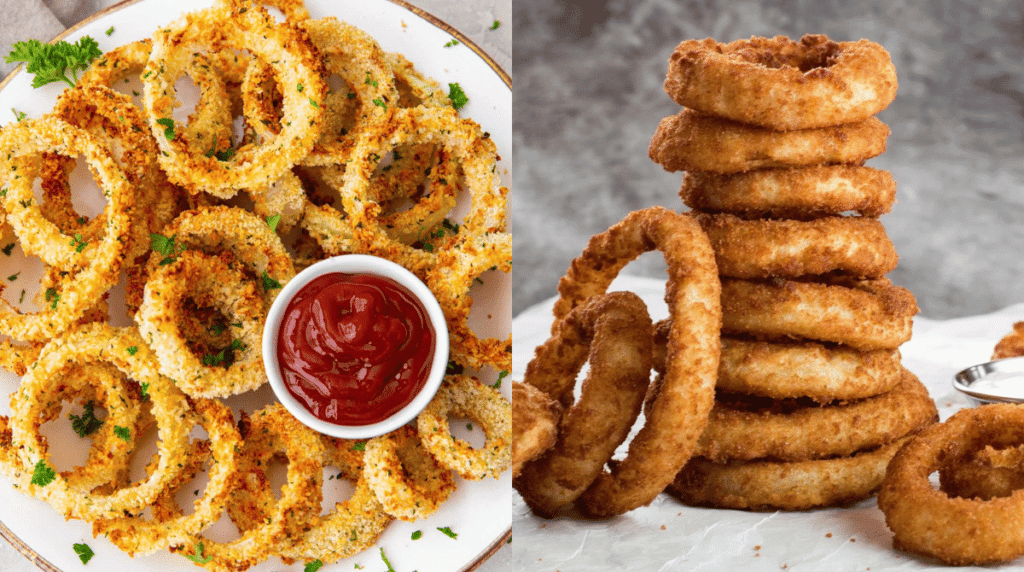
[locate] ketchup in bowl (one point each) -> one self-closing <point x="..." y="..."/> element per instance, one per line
<point x="353" y="349"/>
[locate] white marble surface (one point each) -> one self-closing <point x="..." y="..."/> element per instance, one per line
<point x="588" y="97"/>
<point x="46" y="18"/>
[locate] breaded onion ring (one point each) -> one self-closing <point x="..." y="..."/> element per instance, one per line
<point x="689" y="141"/>
<point x="797" y="193"/>
<point x="856" y="246"/>
<point x="955" y="530"/>
<point x="864" y="314"/>
<point x="782" y="84"/>
<point x="535" y="419"/>
<point x="409" y="483"/>
<point x="772" y="485"/>
<point x="614" y="334"/>
<point x="679" y="415"/>
<point x="462" y="395"/>
<point x="991" y="473"/>
<point x="795" y="432"/>
<point x="211" y="282"/>
<point x="1012" y="344"/>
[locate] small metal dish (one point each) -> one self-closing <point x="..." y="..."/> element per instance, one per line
<point x="1000" y="381"/>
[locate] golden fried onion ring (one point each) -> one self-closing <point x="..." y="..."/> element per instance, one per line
<point x="689" y="141"/>
<point x="408" y="481"/>
<point x="535" y="419"/>
<point x="679" y="415"/>
<point x="780" y="83"/>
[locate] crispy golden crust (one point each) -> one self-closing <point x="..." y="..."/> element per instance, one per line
<point x="689" y="141"/>
<point x="679" y="415"/>
<point x="775" y="485"/>
<point x="798" y="192"/>
<point x="535" y="418"/>
<point x="614" y="334"/>
<point x="955" y="530"/>
<point x="855" y="246"/>
<point x="783" y="84"/>
<point x="863" y="314"/>
<point x="408" y="482"/>
<point x="756" y="428"/>
<point x="1012" y="344"/>
<point x="991" y="473"/>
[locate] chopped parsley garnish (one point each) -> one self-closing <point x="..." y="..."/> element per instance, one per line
<point x="52" y="297"/>
<point x="143" y="391"/>
<point x="43" y="474"/>
<point x="218" y="328"/>
<point x="168" y="124"/>
<point x="313" y="566"/>
<point x="299" y="87"/>
<point x="452" y="42"/>
<point x="269" y="283"/>
<point x="417" y="534"/>
<point x="110" y="30"/>
<point x="447" y="532"/>
<point x="8" y="249"/>
<point x="198" y="557"/>
<point x="495" y="25"/>
<point x="369" y="80"/>
<point x="226" y="356"/>
<point x="87" y="423"/>
<point x="83" y="551"/>
<point x="123" y="433"/>
<point x="14" y="276"/>
<point x="272" y="221"/>
<point x="501" y="375"/>
<point x="359" y="446"/>
<point x="385" y="559"/>
<point x="457" y="96"/>
<point x="166" y="246"/>
<point x="19" y="115"/>
<point x="313" y="103"/>
<point x="379" y="102"/>
<point x="132" y="350"/>
<point x="78" y="243"/>
<point x="55" y="62"/>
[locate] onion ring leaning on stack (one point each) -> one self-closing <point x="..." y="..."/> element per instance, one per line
<point x="689" y="141"/>
<point x="782" y="84"/>
<point x="535" y="418"/>
<point x="678" y="416"/>
<point x="955" y="530"/>
<point x="614" y="334"/>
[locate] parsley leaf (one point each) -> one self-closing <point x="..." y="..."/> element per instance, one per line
<point x="84" y="553"/>
<point x="369" y="80"/>
<point x="143" y="391"/>
<point x="8" y="249"/>
<point x="166" y="246"/>
<point x="110" y="30"/>
<point x="452" y="42"/>
<point x="52" y="297"/>
<point x="226" y="356"/>
<point x="385" y="559"/>
<point x="416" y="535"/>
<point x="198" y="557"/>
<point x="42" y="474"/>
<point x="457" y="96"/>
<point x="495" y="25"/>
<point x="19" y="115"/>
<point x="272" y="221"/>
<point x="501" y="375"/>
<point x="78" y="243"/>
<point x="54" y="62"/>
<point x="168" y="125"/>
<point x="313" y="566"/>
<point x="379" y="102"/>
<point x="123" y="433"/>
<point x="359" y="446"/>
<point x="87" y="423"/>
<point x="269" y="283"/>
<point x="447" y="532"/>
<point x="132" y="350"/>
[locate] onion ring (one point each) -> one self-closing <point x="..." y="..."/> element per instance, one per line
<point x="678" y="417"/>
<point x="614" y="334"/>
<point x="770" y="485"/>
<point x="863" y="314"/>
<point x="689" y="141"/>
<point x="991" y="473"/>
<point x="783" y="84"/>
<point x="856" y="246"/>
<point x="1012" y="344"/>
<point x="791" y="432"/>
<point x="466" y="396"/>
<point x="795" y="193"/>
<point x="957" y="531"/>
<point x="408" y="482"/>
<point x="535" y="419"/>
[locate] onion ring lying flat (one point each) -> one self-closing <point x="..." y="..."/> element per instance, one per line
<point x="535" y="418"/>
<point x="991" y="473"/>
<point x="783" y="84"/>
<point x="955" y="530"/>
<point x="463" y="395"/>
<point x="679" y="415"/>
<point x="802" y="433"/>
<point x="617" y="331"/>
<point x="797" y="193"/>
<point x="1012" y="344"/>
<point x="768" y="485"/>
<point x="689" y="141"/>
<point x="409" y="483"/>
<point x="864" y="314"/>
<point x="855" y="246"/>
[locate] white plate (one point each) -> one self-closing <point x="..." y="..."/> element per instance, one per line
<point x="479" y="512"/>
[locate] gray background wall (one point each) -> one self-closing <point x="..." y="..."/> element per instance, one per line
<point x="588" y="97"/>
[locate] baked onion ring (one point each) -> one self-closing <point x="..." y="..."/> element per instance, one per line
<point x="408" y="482"/>
<point x="927" y="521"/>
<point x="783" y="84"/>
<point x="535" y="419"/>
<point x="863" y="314"/>
<point x="744" y="429"/>
<point x="679" y="415"/>
<point x="689" y="141"/>
<point x="466" y="396"/>
<point x="772" y="485"/>
<point x="855" y="246"/>
<point x="796" y="193"/>
<point x="613" y="333"/>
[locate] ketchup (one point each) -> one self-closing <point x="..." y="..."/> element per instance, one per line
<point x="354" y="348"/>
